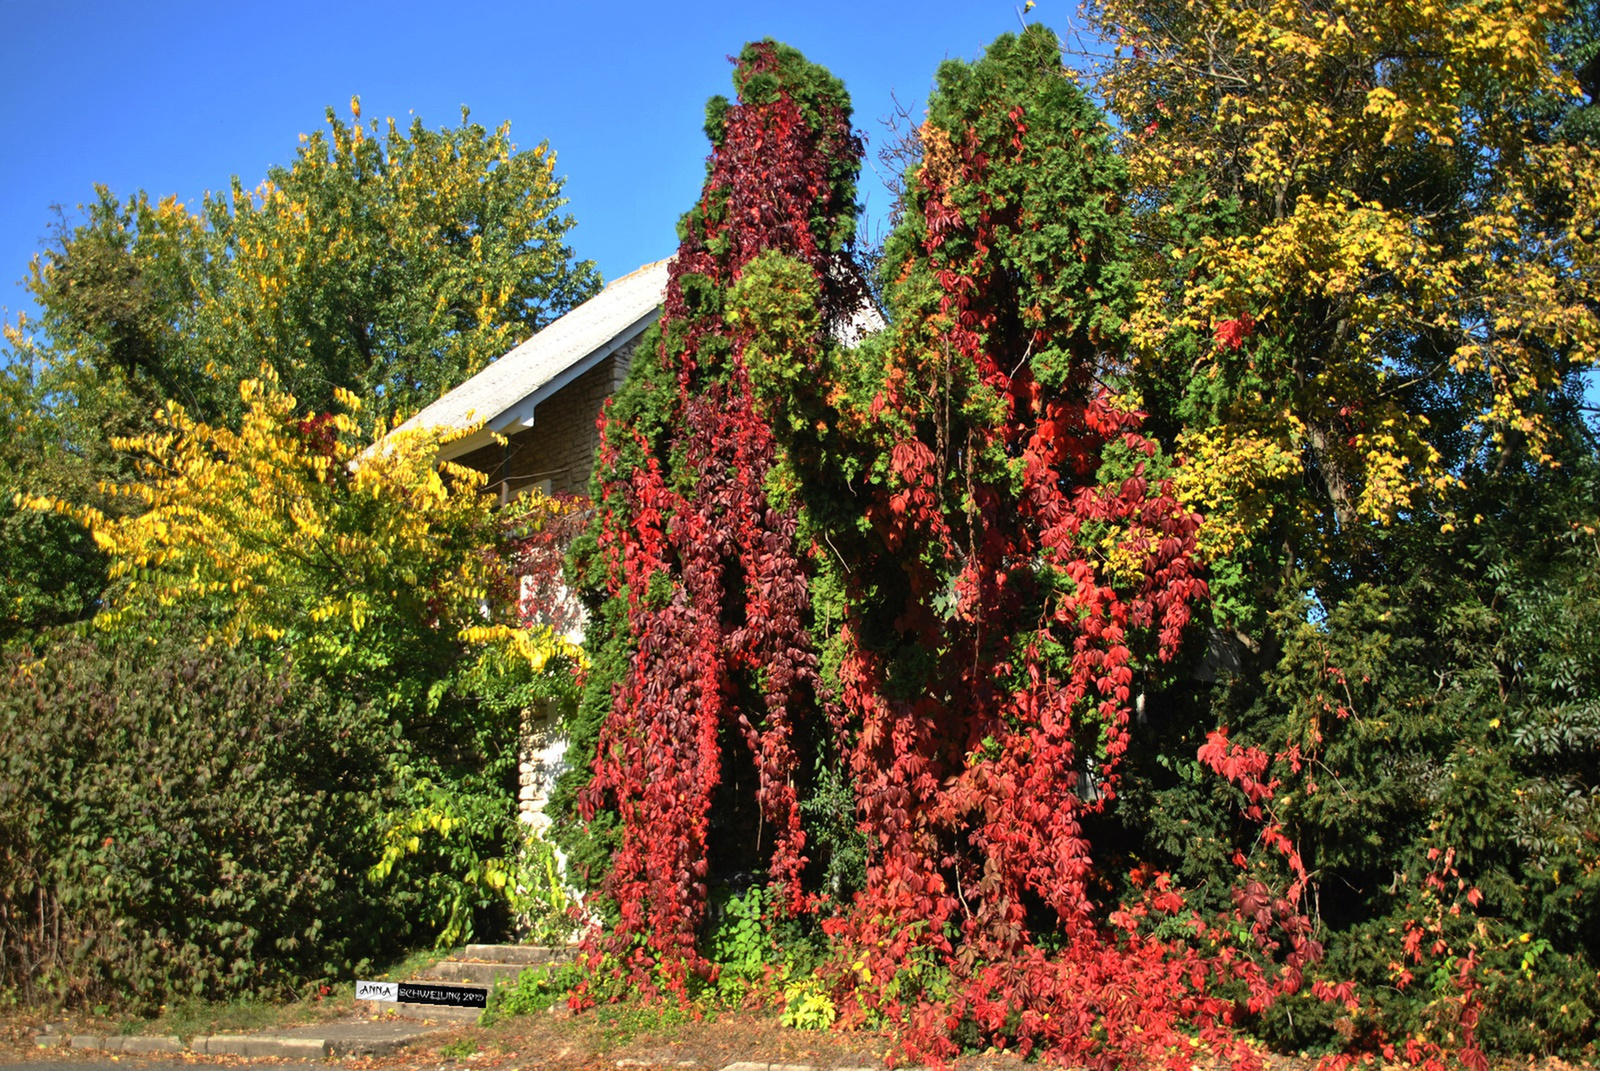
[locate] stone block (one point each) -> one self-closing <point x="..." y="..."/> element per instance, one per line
<point x="97" y="1041"/>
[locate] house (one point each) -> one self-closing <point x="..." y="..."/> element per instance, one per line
<point x="543" y="397"/>
<point x="541" y="401"/>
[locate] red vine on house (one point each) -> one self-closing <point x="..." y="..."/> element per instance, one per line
<point x="716" y="592"/>
<point x="1005" y="557"/>
<point x="1043" y="555"/>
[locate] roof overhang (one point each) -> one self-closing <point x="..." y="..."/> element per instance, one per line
<point x="521" y="413"/>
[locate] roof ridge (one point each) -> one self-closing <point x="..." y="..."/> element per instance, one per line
<point x="637" y="271"/>
<point x="545" y="356"/>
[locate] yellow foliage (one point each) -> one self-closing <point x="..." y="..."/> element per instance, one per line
<point x="536" y="647"/>
<point x="403" y="262"/>
<point x="1228" y="477"/>
<point x="1332" y="143"/>
<point x="300" y="528"/>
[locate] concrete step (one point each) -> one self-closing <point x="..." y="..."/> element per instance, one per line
<point x="496" y="964"/>
<point x="528" y="955"/>
<point x="461" y="972"/>
<point x="422" y="1013"/>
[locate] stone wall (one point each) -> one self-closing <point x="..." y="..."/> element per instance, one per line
<point x="543" y="753"/>
<point x="543" y="756"/>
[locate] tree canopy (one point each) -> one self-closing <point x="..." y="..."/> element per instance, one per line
<point x="390" y="265"/>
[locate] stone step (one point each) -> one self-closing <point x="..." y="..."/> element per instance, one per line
<point x="314" y="1041"/>
<point x="462" y="972"/>
<point x="424" y="1013"/>
<point x="528" y="955"/>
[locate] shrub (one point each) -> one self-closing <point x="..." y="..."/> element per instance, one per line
<point x="179" y="819"/>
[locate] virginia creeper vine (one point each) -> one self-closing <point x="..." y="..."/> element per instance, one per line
<point x="693" y="543"/>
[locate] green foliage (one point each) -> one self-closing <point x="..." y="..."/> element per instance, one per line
<point x="1448" y="714"/>
<point x="840" y="845"/>
<point x="394" y="266"/>
<point x="184" y="820"/>
<point x="484" y="872"/>
<point x="588" y="846"/>
<point x="537" y="989"/>
<point x="370" y="566"/>
<point x="739" y="941"/>
<point x="538" y="894"/>
<point x="50" y="571"/>
<point x="1364" y="314"/>
<point x="459" y="1050"/>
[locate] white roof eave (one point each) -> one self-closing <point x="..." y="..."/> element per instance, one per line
<point x="520" y="414"/>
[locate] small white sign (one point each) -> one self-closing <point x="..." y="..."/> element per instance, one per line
<point x="377" y="991"/>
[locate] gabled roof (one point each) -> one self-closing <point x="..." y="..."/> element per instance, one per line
<point x="505" y="394"/>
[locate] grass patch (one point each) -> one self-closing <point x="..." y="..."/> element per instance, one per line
<point x="459" y="1050"/>
<point x="411" y="965"/>
<point x="618" y="1024"/>
<point x="194" y="1017"/>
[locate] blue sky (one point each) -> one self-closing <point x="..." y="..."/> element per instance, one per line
<point x="175" y="98"/>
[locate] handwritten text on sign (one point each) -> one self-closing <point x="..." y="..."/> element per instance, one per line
<point x="454" y="996"/>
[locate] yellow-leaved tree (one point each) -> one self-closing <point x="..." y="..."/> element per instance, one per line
<point x="393" y="261"/>
<point x="394" y="264"/>
<point x="377" y="570"/>
<point x="1369" y="255"/>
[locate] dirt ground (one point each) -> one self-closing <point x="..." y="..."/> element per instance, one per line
<point x="609" y="1038"/>
<point x="606" y="1037"/>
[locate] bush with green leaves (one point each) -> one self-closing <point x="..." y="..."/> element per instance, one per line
<point x="537" y="989"/>
<point x="1435" y="754"/>
<point x="180" y="820"/>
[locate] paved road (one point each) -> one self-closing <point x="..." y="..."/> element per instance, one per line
<point x="125" y="1063"/>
